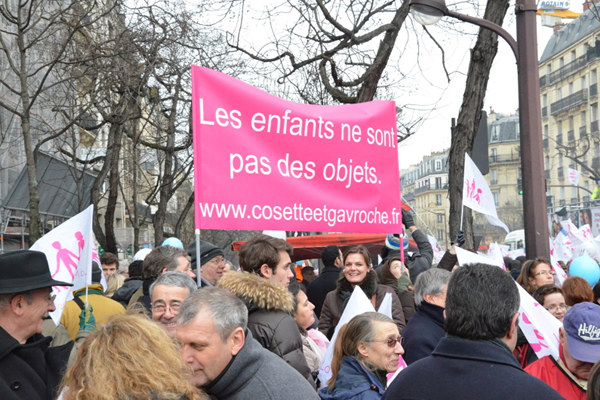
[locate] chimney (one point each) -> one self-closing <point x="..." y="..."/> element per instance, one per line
<point x="586" y="5"/>
<point x="558" y="26"/>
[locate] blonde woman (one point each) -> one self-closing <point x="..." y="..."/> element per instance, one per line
<point x="129" y="357"/>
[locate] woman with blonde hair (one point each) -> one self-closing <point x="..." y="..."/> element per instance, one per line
<point x="366" y="350"/>
<point x="113" y="283"/>
<point x="130" y="358"/>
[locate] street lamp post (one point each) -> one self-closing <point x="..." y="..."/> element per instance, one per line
<point x="429" y="12"/>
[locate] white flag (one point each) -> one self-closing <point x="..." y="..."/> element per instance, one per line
<point x="477" y="194"/>
<point x="437" y="253"/>
<point x="497" y="252"/>
<point x="466" y="257"/>
<point x="563" y="247"/>
<point x="68" y="249"/>
<point x="539" y="326"/>
<point x="574" y="176"/>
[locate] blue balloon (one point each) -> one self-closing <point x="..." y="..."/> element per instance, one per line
<point x="586" y="268"/>
<point x="172" y="241"/>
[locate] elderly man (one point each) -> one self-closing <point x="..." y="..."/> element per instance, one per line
<point x="270" y="305"/>
<point x="474" y="360"/>
<point x="212" y="262"/>
<point x="29" y="368"/>
<point x="160" y="260"/>
<point x="426" y="327"/>
<point x="227" y="363"/>
<point x="166" y="294"/>
<point x="579" y="351"/>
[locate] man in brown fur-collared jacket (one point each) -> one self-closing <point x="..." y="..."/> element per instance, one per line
<point x="263" y="288"/>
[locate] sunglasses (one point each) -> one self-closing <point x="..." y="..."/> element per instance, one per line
<point x="390" y="342"/>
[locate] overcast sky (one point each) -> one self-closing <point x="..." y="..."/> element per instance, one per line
<point x="434" y="133"/>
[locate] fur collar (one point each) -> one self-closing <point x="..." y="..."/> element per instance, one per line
<point x="369" y="285"/>
<point x="254" y="289"/>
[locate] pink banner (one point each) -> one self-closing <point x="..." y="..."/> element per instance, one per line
<point x="264" y="163"/>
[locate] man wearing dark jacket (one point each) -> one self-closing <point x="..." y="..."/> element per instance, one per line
<point x="426" y="327"/>
<point x="29" y="368"/>
<point x="131" y="285"/>
<point x="227" y="362"/>
<point x="474" y="360"/>
<point x="263" y="288"/>
<point x="421" y="261"/>
<point x="326" y="281"/>
<point x="212" y="262"/>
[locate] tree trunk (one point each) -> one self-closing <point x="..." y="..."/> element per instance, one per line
<point x="183" y="216"/>
<point x="463" y="135"/>
<point x="113" y="193"/>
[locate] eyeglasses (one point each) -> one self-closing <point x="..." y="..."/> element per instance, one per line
<point x="559" y="307"/>
<point x="50" y="299"/>
<point x="390" y="342"/>
<point x="544" y="273"/>
<point x="161" y="308"/>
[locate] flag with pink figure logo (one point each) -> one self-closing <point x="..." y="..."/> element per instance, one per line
<point x="563" y="247"/>
<point x="477" y="194"/>
<point x="574" y="176"/>
<point x="437" y="253"/>
<point x="69" y="249"/>
<point x="539" y="326"/>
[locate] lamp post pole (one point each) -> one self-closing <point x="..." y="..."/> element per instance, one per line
<point x="530" y="118"/>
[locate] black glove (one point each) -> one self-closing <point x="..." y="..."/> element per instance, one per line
<point x="459" y="240"/>
<point x="407" y="219"/>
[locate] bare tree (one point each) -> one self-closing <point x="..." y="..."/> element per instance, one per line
<point x="463" y="135"/>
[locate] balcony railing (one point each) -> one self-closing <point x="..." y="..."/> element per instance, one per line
<point x="594" y="126"/>
<point x="569" y="102"/>
<point x="504" y="159"/>
<point x="594" y="90"/>
<point x="430" y="187"/>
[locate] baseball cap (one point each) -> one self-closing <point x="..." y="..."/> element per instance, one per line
<point x="582" y="326"/>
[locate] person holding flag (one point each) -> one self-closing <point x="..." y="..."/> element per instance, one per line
<point x="29" y="368"/>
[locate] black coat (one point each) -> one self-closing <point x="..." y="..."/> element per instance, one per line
<point x="323" y="284"/>
<point x="421" y="261"/>
<point x="468" y="369"/>
<point x="423" y="332"/>
<point x="32" y="371"/>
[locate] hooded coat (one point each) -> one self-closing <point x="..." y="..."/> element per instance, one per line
<point x="354" y="382"/>
<point x="270" y="308"/>
<point x="335" y="302"/>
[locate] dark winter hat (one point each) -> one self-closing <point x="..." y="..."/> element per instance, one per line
<point x="96" y="272"/>
<point x="208" y="251"/>
<point x="582" y="326"/>
<point x="25" y="270"/>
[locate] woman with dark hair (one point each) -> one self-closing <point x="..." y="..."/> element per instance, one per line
<point x="552" y="298"/>
<point x="357" y="272"/>
<point x="593" y="386"/>
<point x="395" y="275"/>
<point x="536" y="273"/>
<point x="366" y="350"/>
<point x="314" y="343"/>
<point x="577" y="290"/>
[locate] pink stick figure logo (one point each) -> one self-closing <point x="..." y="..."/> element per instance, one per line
<point x="473" y="192"/>
<point x="67" y="258"/>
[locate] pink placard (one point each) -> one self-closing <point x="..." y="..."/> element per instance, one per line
<point x="261" y="162"/>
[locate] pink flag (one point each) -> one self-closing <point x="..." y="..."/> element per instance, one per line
<point x="477" y="194"/>
<point x="574" y="176"/>
<point x="264" y="163"/>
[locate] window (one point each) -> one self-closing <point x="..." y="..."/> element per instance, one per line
<point x="494" y="155"/>
<point x="440" y="218"/>
<point x="593" y="77"/>
<point x="562" y="195"/>
<point x="545" y="100"/>
<point x="559" y="93"/>
<point x="594" y="110"/>
<point x="494" y="176"/>
<point x="440" y="235"/>
<point x="571" y="88"/>
<point x="438" y="183"/>
<point x="438" y="165"/>
<point x="561" y="62"/>
<point x="573" y="55"/>
<point x="495" y="136"/>
<point x="438" y="199"/>
<point x="548" y="69"/>
<point x="495" y="198"/>
<point x="583" y="82"/>
<point x="571" y="123"/>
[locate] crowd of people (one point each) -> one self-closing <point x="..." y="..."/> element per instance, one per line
<point x="262" y="332"/>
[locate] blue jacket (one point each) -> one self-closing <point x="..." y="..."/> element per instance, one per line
<point x="423" y="332"/>
<point x="468" y="369"/>
<point x="354" y="381"/>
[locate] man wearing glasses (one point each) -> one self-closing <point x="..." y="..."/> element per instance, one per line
<point x="29" y="368"/>
<point x="166" y="294"/>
